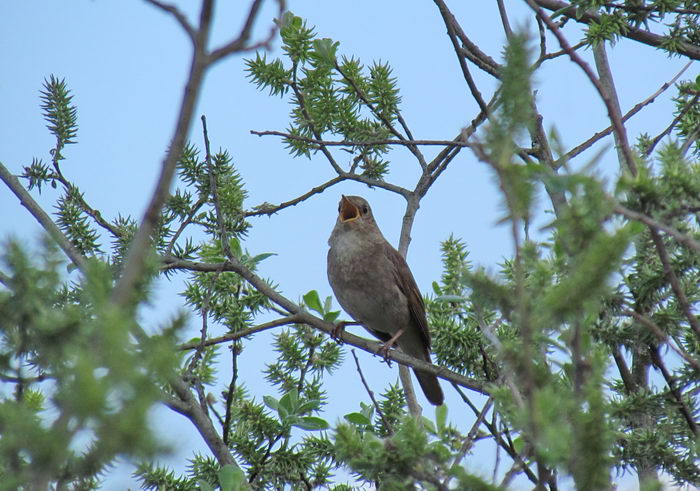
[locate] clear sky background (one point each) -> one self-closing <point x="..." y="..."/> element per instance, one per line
<point x="126" y="62"/>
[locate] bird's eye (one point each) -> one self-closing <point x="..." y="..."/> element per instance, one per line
<point x="365" y="210"/>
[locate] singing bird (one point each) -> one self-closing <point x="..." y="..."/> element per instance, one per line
<point x="373" y="283"/>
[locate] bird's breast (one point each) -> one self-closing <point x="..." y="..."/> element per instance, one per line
<point x="363" y="282"/>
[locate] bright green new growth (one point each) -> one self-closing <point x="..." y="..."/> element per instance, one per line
<point x="570" y="340"/>
<point x="330" y="96"/>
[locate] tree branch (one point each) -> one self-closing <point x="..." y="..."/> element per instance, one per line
<point x="140" y="245"/>
<point x="370" y="393"/>
<point x="172" y="263"/>
<point x="656" y="225"/>
<point x="233" y="336"/>
<point x="588" y="17"/>
<point x="44" y="220"/>
<point x="179" y="17"/>
<point x="638" y="107"/>
<point x="613" y="114"/>
<point x="240" y="43"/>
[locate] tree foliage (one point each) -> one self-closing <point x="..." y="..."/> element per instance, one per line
<point x="578" y="358"/>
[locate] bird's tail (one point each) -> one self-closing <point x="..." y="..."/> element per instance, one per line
<point x="431" y="387"/>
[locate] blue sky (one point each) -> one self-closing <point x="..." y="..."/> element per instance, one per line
<point x="126" y="62"/>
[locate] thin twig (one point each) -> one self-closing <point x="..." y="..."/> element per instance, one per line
<point x="469" y="439"/>
<point x="25" y="380"/>
<point x="675" y="282"/>
<point x="500" y="441"/>
<point x="451" y="25"/>
<point x="589" y="17"/>
<point x="673" y="388"/>
<point x="268" y="209"/>
<point x="557" y="54"/>
<point x="662" y="337"/>
<point x="638" y="107"/>
<point x="379" y="115"/>
<point x="226" y="427"/>
<point x="470" y="49"/>
<point x="239" y="44"/>
<point x="233" y="336"/>
<point x="223" y="236"/>
<point x="370" y="393"/>
<point x="185" y="223"/>
<point x="179" y="16"/>
<point x="654" y="224"/>
<point x="675" y="121"/>
<point x="364" y="143"/>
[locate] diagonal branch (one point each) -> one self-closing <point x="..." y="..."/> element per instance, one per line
<point x="588" y="17"/>
<point x="233" y="265"/>
<point x="44" y="220"/>
<point x="233" y="336"/>
<point x="241" y="42"/>
<point x="268" y="209"/>
<point x="613" y="114"/>
<point x="656" y="225"/>
<point x="469" y="49"/>
<point x="179" y="17"/>
<point x="451" y="25"/>
<point x="140" y="246"/>
<point x="675" y="282"/>
<point x="638" y="107"/>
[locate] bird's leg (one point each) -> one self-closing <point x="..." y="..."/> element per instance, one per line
<point x="384" y="350"/>
<point x="339" y="328"/>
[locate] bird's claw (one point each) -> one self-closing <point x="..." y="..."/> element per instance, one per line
<point x="384" y="352"/>
<point x="336" y="334"/>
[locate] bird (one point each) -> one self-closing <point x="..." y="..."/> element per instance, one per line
<point x="375" y="286"/>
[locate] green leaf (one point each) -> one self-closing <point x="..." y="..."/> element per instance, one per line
<point x="451" y="298"/>
<point x="311" y="423"/>
<point x="271" y="402"/>
<point x="290" y="402"/>
<point x="309" y="406"/>
<point x="231" y="478"/>
<point x="261" y="257"/>
<point x="328" y="304"/>
<point x="358" y="419"/>
<point x="441" y="417"/>
<point x="518" y="444"/>
<point x="331" y="316"/>
<point x="326" y="50"/>
<point x="313" y="301"/>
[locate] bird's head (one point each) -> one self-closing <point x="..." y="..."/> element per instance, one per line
<point x="355" y="212"/>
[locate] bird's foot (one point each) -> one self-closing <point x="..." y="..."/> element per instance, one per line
<point x="384" y="352"/>
<point x="337" y="333"/>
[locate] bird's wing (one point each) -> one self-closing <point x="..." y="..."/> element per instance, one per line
<point x="407" y="285"/>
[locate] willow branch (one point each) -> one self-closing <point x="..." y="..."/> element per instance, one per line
<point x="172" y="263"/>
<point x="44" y="220"/>
<point x="589" y="17"/>
<point x="233" y="336"/>
<point x="140" y="246"/>
<point x="638" y="107"/>
<point x="656" y="225"/>
<point x="613" y="114"/>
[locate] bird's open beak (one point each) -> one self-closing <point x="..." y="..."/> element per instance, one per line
<point x="348" y="211"/>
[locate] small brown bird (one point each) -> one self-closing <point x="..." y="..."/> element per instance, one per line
<point x="373" y="283"/>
